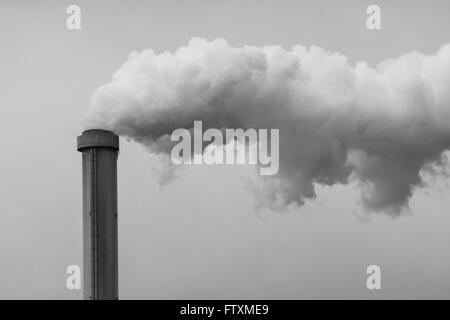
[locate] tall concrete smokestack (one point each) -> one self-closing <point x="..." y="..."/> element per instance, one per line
<point x="100" y="149"/>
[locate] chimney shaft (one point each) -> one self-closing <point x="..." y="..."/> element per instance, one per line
<point x="100" y="150"/>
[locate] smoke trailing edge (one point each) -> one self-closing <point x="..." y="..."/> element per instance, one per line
<point x="338" y="121"/>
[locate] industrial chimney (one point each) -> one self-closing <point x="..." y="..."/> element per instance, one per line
<point x="100" y="149"/>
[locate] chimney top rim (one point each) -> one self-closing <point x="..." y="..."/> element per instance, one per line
<point x="97" y="138"/>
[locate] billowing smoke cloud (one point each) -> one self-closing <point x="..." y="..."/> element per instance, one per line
<point x="338" y="121"/>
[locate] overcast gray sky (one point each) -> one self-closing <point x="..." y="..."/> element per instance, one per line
<point x="200" y="236"/>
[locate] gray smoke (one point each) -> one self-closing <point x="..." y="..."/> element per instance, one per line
<point x="337" y="121"/>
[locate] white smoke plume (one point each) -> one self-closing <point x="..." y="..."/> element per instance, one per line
<point x="338" y="121"/>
